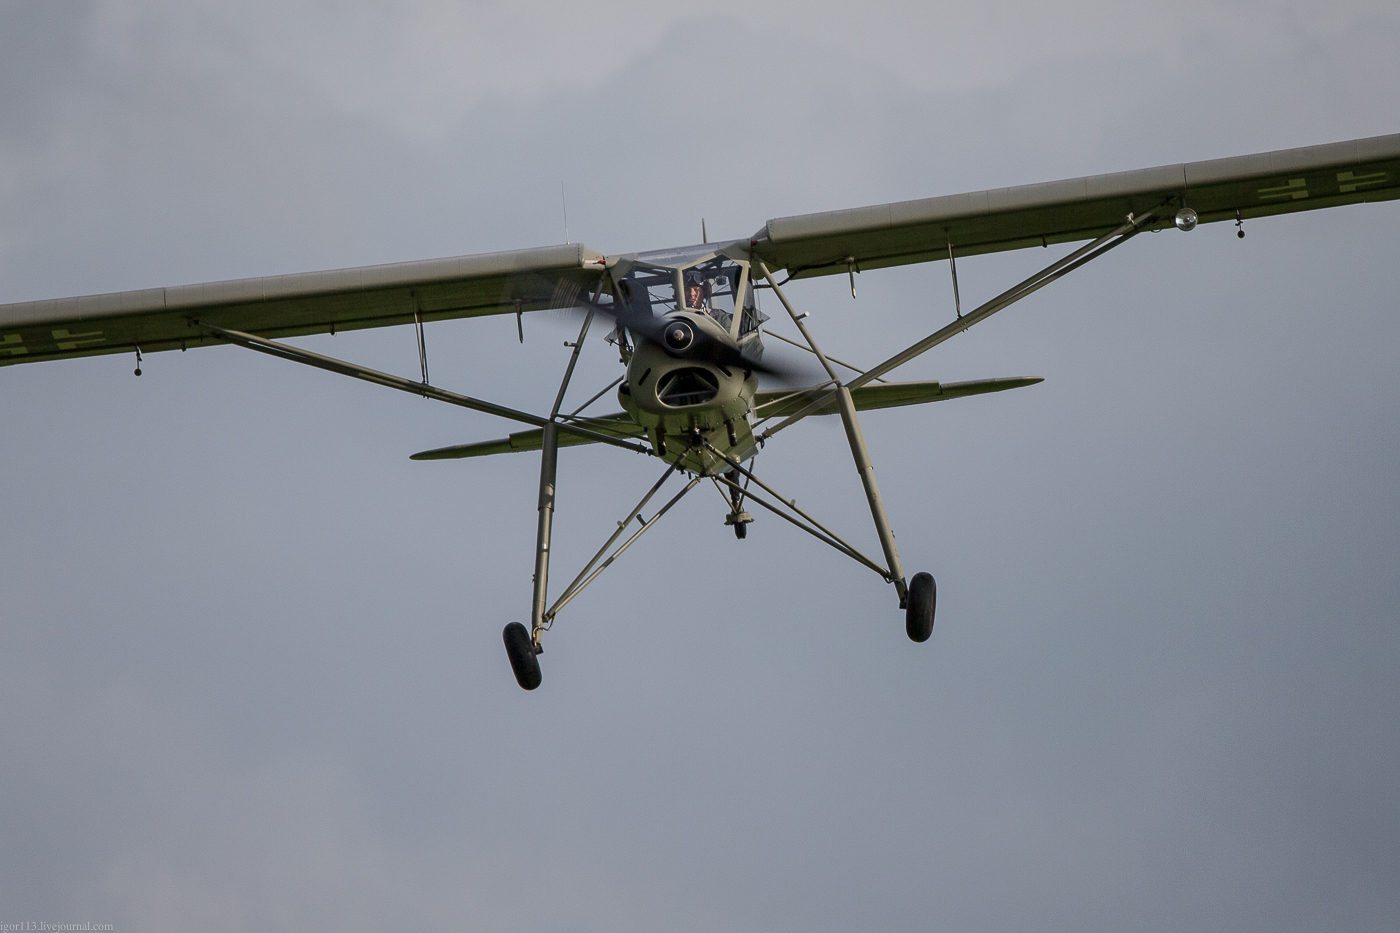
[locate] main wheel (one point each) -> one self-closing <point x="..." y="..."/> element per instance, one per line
<point x="918" y="611"/>
<point x="521" y="651"/>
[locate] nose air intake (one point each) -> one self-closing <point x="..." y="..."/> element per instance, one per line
<point x="689" y="386"/>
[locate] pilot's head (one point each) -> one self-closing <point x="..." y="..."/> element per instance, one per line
<point x="694" y="293"/>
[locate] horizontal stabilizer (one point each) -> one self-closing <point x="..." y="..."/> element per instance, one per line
<point x="884" y="395"/>
<point x="766" y="404"/>
<point x="617" y="425"/>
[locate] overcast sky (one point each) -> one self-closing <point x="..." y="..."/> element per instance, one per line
<point x="251" y="675"/>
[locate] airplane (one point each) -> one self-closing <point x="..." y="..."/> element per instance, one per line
<point x="688" y="329"/>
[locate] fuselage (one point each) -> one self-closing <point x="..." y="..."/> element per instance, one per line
<point x="696" y="410"/>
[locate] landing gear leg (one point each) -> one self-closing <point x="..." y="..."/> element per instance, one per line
<point x="858" y="450"/>
<point x="522" y="647"/>
<point x="549" y="460"/>
<point x="524" y="651"/>
<point x="872" y="493"/>
<point x="737" y="517"/>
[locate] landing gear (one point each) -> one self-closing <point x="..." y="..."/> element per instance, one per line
<point x="918" y="612"/>
<point x="523" y="658"/>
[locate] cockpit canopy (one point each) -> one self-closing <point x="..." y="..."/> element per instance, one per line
<point x="706" y="282"/>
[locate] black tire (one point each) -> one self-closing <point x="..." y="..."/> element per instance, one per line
<point x="918" y="612"/>
<point x="741" y="530"/>
<point x="521" y="652"/>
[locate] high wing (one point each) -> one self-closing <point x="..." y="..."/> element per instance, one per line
<point x="303" y="303"/>
<point x="767" y="404"/>
<point x="807" y="245"/>
<point x="1081" y="208"/>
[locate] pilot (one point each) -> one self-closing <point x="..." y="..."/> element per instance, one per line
<point x="699" y="295"/>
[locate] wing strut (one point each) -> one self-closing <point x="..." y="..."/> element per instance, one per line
<point x="953" y="265"/>
<point x="1115" y="237"/>
<point x="330" y="364"/>
<point x="422" y="342"/>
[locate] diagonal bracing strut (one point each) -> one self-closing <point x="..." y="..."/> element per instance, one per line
<point x="806" y="349"/>
<point x="813" y="527"/>
<point x="1115" y="237"/>
<point x="330" y="364"/>
<point x="586" y="577"/>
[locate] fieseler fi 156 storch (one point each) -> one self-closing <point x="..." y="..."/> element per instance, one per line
<point x="687" y="325"/>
